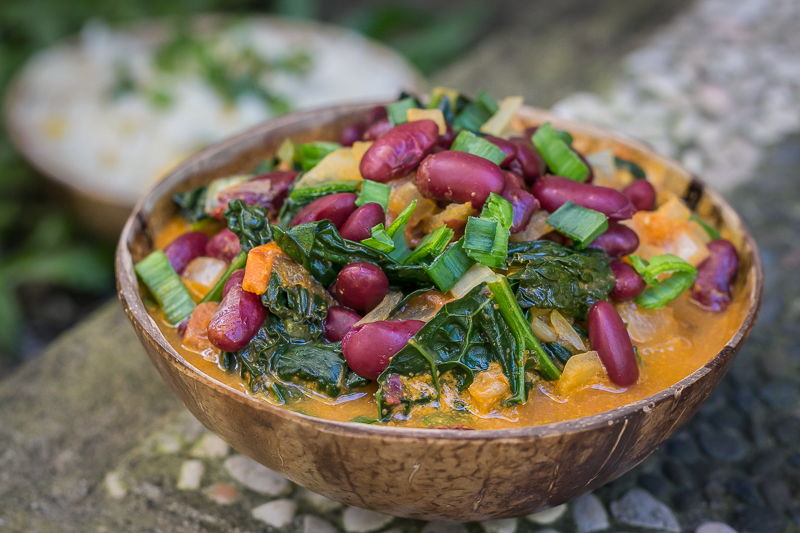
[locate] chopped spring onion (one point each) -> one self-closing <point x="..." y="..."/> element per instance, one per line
<point x="306" y="195"/>
<point x="660" y="293"/>
<point x="580" y="224"/>
<point x="215" y="294"/>
<point x="450" y="267"/>
<point x="486" y="238"/>
<point x="380" y="237"/>
<point x="471" y="279"/>
<point x="398" y="111"/>
<point x="380" y="240"/>
<point x="561" y="159"/>
<point x="502" y="117"/>
<point x="169" y="291"/>
<point x="709" y="229"/>
<point x="308" y="155"/>
<point x="565" y="136"/>
<point x="372" y="191"/>
<point x="476" y="113"/>
<point x="487" y="102"/>
<point x="635" y="170"/>
<point x="527" y="343"/>
<point x="466" y="141"/>
<point x="431" y="245"/>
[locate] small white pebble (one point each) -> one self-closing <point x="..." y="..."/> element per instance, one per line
<point x="318" y="501"/>
<point x="714" y="527"/>
<point x="167" y="443"/>
<point x="210" y="446"/>
<point x="502" y="525"/>
<point x="256" y="477"/>
<point x="190" y="475"/>
<point x="444" y="527"/>
<point x="315" y="524"/>
<point x="114" y="486"/>
<point x="548" y="516"/>
<point x="356" y="520"/>
<point x="276" y="513"/>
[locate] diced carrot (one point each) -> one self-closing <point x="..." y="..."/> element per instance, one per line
<point x="258" y="269"/>
<point x="196" y="337"/>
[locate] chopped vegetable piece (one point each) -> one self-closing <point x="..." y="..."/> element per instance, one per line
<point x="565" y="136"/>
<point x="507" y="108"/>
<point x="438" y="92"/>
<point x="486" y="238"/>
<point x="372" y="191"/>
<point x="258" y="270"/>
<point x="708" y="228"/>
<point x="487" y="102"/>
<point x="395" y="233"/>
<point x="473" y="277"/>
<point x="431" y="245"/>
<point x="285" y="153"/>
<point x="380" y="240"/>
<point x="635" y="170"/>
<point x="450" y="267"/>
<point x="306" y="195"/>
<point x="660" y="293"/>
<point x="215" y="294"/>
<point x="476" y="113"/>
<point x="216" y="188"/>
<point x="466" y="141"/>
<point x="310" y="154"/>
<point x="578" y="223"/>
<point x="196" y="336"/>
<point x="561" y="159"/>
<point x="428" y="114"/>
<point x="398" y="111"/>
<point x="166" y="286"/>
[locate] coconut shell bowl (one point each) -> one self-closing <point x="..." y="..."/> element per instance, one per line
<point x="432" y="474"/>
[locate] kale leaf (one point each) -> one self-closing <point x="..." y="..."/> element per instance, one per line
<point x="298" y="301"/>
<point x="557" y="277"/>
<point x="249" y="223"/>
<point x="323" y="252"/>
<point x="192" y="203"/>
<point x="464" y="337"/>
<point x="314" y="362"/>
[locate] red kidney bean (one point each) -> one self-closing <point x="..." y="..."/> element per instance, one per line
<point x="185" y="248"/>
<point x="611" y="341"/>
<point x="459" y="177"/>
<point x="267" y="190"/>
<point x="236" y="278"/>
<point x="515" y="178"/>
<point x="338" y="322"/>
<point x="237" y="319"/>
<point x="334" y="207"/>
<point x="628" y="284"/>
<point x="617" y="241"/>
<point x="375" y="114"/>
<point x="641" y="194"/>
<point x="531" y="163"/>
<point x="352" y="133"/>
<point x="508" y="148"/>
<point x="368" y="348"/>
<point x="361" y="287"/>
<point x="713" y="288"/>
<point x="446" y="141"/>
<point x="555" y="191"/>
<point x="523" y="202"/>
<point x="224" y="245"/>
<point x="377" y="130"/>
<point x="357" y="226"/>
<point x="399" y="150"/>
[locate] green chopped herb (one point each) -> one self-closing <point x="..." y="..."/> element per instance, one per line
<point x="372" y="191"/>
<point x="565" y="136"/>
<point x="709" y="229"/>
<point x="487" y="102"/>
<point x="660" y="293"/>
<point x="431" y="245"/>
<point x="395" y="233"/>
<point x="561" y="159"/>
<point x="306" y="195"/>
<point x="466" y="141"/>
<point x="486" y="238"/>
<point x="450" y="266"/>
<point x="398" y="111"/>
<point x="157" y="274"/>
<point x="310" y="154"/>
<point x="580" y="224"/>
<point x="635" y="170"/>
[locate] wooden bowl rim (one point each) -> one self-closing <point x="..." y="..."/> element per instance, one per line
<point x="150" y="29"/>
<point x="127" y="288"/>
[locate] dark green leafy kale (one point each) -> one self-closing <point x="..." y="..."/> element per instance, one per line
<point x="464" y="337"/>
<point x="315" y="362"/>
<point x="558" y="277"/>
<point x="192" y="203"/>
<point x="323" y="252"/>
<point x="249" y="223"/>
<point x="301" y="310"/>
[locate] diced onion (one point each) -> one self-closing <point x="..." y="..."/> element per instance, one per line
<point x="542" y="330"/>
<point x="581" y="371"/>
<point x="498" y="122"/>
<point x="382" y="311"/>
<point x="566" y="333"/>
<point x="603" y="161"/>
<point x="473" y="277"/>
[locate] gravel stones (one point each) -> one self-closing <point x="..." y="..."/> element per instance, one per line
<point x="639" y="508"/>
<point x="725" y="445"/>
<point x="443" y="527"/>
<point x="589" y="514"/>
<point x="503" y="525"/>
<point x="276" y="513"/>
<point x="315" y="524"/>
<point x="256" y="477"/>
<point x="210" y="445"/>
<point x="715" y="527"/>
<point x="357" y="520"/>
<point x="190" y="475"/>
<point x="761" y="520"/>
<point x="548" y="516"/>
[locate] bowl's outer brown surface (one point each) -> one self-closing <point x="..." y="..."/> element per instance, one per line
<point x="428" y="473"/>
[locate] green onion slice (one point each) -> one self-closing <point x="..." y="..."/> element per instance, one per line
<point x="380" y="237"/>
<point x="486" y="238"/>
<point x="450" y="266"/>
<point x="431" y="245"/>
<point x="308" y="155"/>
<point x="487" y="102"/>
<point x="635" y="170"/>
<point x="397" y="111"/>
<point x="561" y="159"/>
<point x="580" y="224"/>
<point x="468" y="142"/>
<point x="309" y="194"/>
<point x="372" y="191"/>
<point x="157" y="274"/>
<point x="709" y="229"/>
<point x="660" y="293"/>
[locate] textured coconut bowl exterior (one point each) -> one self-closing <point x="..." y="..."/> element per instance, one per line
<point x="431" y="474"/>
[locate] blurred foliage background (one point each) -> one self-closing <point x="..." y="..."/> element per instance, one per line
<point x="51" y="272"/>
